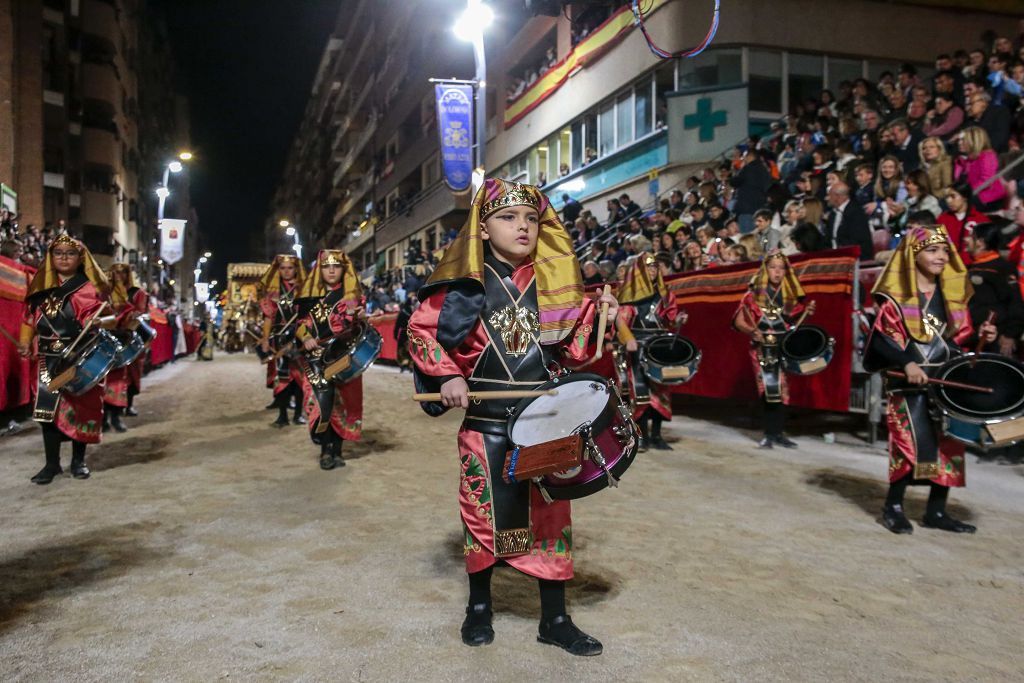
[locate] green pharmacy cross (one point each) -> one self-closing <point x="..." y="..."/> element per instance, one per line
<point x="705" y="119"/>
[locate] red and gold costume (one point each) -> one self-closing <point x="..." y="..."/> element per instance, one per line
<point x="57" y="311"/>
<point x="911" y="327"/>
<point x="128" y="302"/>
<point x="280" y="320"/>
<point x="331" y="310"/>
<point x="503" y="327"/>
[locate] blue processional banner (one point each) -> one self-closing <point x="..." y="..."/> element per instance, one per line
<point x="455" y="128"/>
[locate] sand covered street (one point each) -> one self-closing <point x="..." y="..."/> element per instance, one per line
<point x="208" y="545"/>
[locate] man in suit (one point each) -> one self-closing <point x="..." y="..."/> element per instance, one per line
<point x="905" y="143"/>
<point x="847" y="224"/>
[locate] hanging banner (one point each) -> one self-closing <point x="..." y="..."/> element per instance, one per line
<point x="172" y="239"/>
<point x="455" y="128"/>
<point x="202" y="292"/>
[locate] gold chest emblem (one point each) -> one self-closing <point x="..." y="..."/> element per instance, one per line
<point x="518" y="328"/>
<point x="52" y="305"/>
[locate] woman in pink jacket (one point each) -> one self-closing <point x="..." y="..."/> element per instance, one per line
<point x="978" y="162"/>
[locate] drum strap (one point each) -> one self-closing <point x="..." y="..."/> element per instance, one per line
<point x="46" y="401"/>
<point x="924" y="433"/>
<point x="510" y="503"/>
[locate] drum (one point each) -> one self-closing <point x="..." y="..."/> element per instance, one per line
<point x="669" y="359"/>
<point x="592" y="407"/>
<point x="144" y="330"/>
<point x="806" y="350"/>
<point x="132" y="347"/>
<point x="978" y="418"/>
<point x="348" y="356"/>
<point x="96" y="358"/>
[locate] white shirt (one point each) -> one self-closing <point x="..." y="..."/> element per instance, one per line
<point x="836" y="220"/>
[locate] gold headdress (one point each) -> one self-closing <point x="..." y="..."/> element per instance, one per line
<point x="119" y="292"/>
<point x="271" y="280"/>
<point x="792" y="292"/>
<point x="898" y="282"/>
<point x="46" y="277"/>
<point x="314" y="285"/>
<point x="637" y="285"/>
<point x="559" y="281"/>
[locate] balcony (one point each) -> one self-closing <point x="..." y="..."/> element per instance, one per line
<point x="55" y="180"/>
<point x="100" y="147"/>
<point x="352" y="200"/>
<point x="425" y="208"/>
<point x="100" y="82"/>
<point x="100" y="19"/>
<point x="99" y="208"/>
<point x="357" y="147"/>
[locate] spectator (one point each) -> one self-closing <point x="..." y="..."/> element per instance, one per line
<point x="847" y="225"/>
<point x="864" y="175"/>
<point x="996" y="120"/>
<point x="750" y="243"/>
<point x="591" y="274"/>
<point x="693" y="257"/>
<point x="615" y="212"/>
<point x="977" y="164"/>
<point x="906" y="144"/>
<point x="751" y="183"/>
<point x="995" y="289"/>
<point x="889" y="187"/>
<point x="960" y="217"/>
<point x="945" y="118"/>
<point x="937" y="164"/>
<point x="570" y="209"/>
<point x="735" y="253"/>
<point x="806" y="238"/>
<point x="12" y="249"/>
<point x="813" y="212"/>
<point x="767" y="236"/>
<point x="919" y="198"/>
<point x="630" y="208"/>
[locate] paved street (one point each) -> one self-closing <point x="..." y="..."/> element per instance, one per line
<point x="209" y="545"/>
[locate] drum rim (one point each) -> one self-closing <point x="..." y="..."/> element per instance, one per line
<point x="820" y="331"/>
<point x="377" y="345"/>
<point x="600" y="423"/>
<point x="369" y="329"/>
<point x="938" y="393"/>
<point x="695" y="355"/>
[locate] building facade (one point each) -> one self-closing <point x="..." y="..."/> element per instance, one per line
<point x="576" y="102"/>
<point x="90" y="116"/>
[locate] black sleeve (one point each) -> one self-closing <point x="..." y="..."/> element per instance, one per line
<point x="893" y="356"/>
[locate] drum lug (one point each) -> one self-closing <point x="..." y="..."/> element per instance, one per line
<point x="594" y="453"/>
<point x="543" y="490"/>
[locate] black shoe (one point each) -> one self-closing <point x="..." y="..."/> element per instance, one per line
<point x="476" y="628"/>
<point x="895" y="521"/>
<point x="766" y="442"/>
<point x="327" y="461"/>
<point x="784" y="441"/>
<point x="79" y="470"/>
<point x="338" y="460"/>
<point x="115" y="422"/>
<point x="641" y="445"/>
<point x="562" y="632"/>
<point x="46" y="475"/>
<point x="279" y="423"/>
<point x="298" y="420"/>
<point x="659" y="444"/>
<point x="131" y="412"/>
<point x="271" y="406"/>
<point x="946" y="523"/>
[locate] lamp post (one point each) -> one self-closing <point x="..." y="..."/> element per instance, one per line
<point x="470" y="27"/>
<point x="291" y="231"/>
<point x="163" y="192"/>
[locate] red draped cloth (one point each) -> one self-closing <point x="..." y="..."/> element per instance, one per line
<point x="385" y="324"/>
<point x="18" y="373"/>
<point x="161" y="349"/>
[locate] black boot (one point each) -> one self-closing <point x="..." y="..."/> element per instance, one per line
<point x="644" y="423"/>
<point x="106" y="419"/>
<point x="560" y="631"/>
<point x="326" y="457"/>
<point x="297" y="417"/>
<point x="657" y="442"/>
<point x="282" y="412"/>
<point x="766" y="442"/>
<point x="51" y="447"/>
<point x="336" y="444"/>
<point x="115" y="420"/>
<point x="935" y="516"/>
<point x="895" y="520"/>
<point x="476" y="627"/>
<point x="130" y="410"/>
<point x="784" y="441"/>
<point x="79" y="470"/>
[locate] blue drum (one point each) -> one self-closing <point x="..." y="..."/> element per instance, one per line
<point x="806" y="350"/>
<point x="97" y="357"/>
<point x="147" y="333"/>
<point x="131" y="348"/>
<point x="669" y="359"/>
<point x="349" y="355"/>
<point x="983" y="419"/>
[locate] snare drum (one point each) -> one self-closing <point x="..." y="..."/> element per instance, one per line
<point x="97" y="357"/>
<point x="132" y="346"/>
<point x="669" y="359"/>
<point x="348" y="356"/>
<point x="590" y="406"/>
<point x="978" y="418"/>
<point x="806" y="350"/>
<point x="144" y="330"/>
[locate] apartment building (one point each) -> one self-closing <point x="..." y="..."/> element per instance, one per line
<point x="90" y="116"/>
<point x="576" y="100"/>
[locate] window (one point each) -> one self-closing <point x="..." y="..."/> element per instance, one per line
<point x="589" y="138"/>
<point x="765" y="81"/>
<point x="715" y="67"/>
<point x="391" y="149"/>
<point x="664" y="83"/>
<point x="566" y="143"/>
<point x="624" y="120"/>
<point x="606" y="130"/>
<point x="840" y="70"/>
<point x="806" y="77"/>
<point x="576" y="153"/>
<point x="431" y="170"/>
<point x="642" y="113"/>
<point x="875" y="69"/>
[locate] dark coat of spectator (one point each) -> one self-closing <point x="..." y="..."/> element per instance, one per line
<point x="751" y="183"/>
<point x="847" y="224"/>
<point x="571" y="209"/>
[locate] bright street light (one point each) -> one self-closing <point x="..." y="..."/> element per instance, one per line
<point x="175" y="167"/>
<point x="208" y="254"/>
<point x="472" y="22"/>
<point x="185" y="156"/>
<point x="203" y="259"/>
<point x="163" y="192"/>
<point x="283" y="223"/>
<point x="213" y="283"/>
<point x="289" y="231"/>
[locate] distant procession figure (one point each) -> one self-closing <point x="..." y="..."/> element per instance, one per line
<point x="64" y="299"/>
<point x="333" y="302"/>
<point x="129" y="302"/>
<point x="280" y="287"/>
<point x="922" y="321"/>
<point x="504" y="310"/>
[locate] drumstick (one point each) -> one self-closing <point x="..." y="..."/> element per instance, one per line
<point x="945" y="383"/>
<point x="981" y="341"/>
<point x="88" y="324"/>
<point x="490" y="395"/>
<point x="9" y="337"/>
<point x="602" y="323"/>
<point x="803" y="316"/>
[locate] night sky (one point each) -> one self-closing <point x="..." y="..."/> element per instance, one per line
<point x="247" y="67"/>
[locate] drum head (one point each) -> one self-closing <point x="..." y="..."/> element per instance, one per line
<point x="1004" y="375"/>
<point x="668" y="349"/>
<point x="343" y="343"/>
<point x="805" y="342"/>
<point x="580" y="400"/>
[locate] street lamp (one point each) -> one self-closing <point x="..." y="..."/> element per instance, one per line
<point x="185" y="156"/>
<point x="470" y="27"/>
<point x="291" y="231"/>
